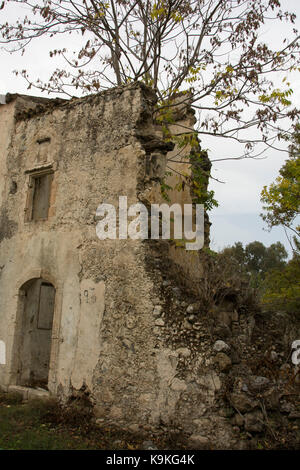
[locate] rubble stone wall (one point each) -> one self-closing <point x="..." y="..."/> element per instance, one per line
<point x="127" y="329"/>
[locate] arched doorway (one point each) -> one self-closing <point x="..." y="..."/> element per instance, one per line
<point x="34" y="341"/>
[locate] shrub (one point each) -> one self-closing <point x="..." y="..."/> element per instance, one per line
<point x="224" y="278"/>
<point x="282" y="288"/>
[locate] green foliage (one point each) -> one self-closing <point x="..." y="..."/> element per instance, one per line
<point x="161" y="11"/>
<point x="164" y="187"/>
<point x="200" y="179"/>
<point x="277" y="96"/>
<point x="282" y="287"/>
<point x="196" y="158"/>
<point x="276" y="280"/>
<point x="257" y="260"/>
<point x="224" y="279"/>
<point x="236" y="251"/>
<point x="281" y="198"/>
<point x="261" y="259"/>
<point x="26" y="427"/>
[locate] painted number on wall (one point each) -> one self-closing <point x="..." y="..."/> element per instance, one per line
<point x="89" y="296"/>
<point x="296" y="353"/>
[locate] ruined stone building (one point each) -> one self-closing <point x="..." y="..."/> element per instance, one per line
<point x="77" y="311"/>
<point x="118" y="319"/>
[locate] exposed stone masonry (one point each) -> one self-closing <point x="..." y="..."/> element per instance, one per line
<point x="129" y="325"/>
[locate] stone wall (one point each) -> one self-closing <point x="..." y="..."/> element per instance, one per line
<point x="128" y="327"/>
<point x="97" y="148"/>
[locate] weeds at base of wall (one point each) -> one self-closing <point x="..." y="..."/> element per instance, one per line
<point x="10" y="398"/>
<point x="47" y="425"/>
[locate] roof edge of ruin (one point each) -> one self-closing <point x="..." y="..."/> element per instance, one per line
<point x="10" y="97"/>
<point x="44" y="105"/>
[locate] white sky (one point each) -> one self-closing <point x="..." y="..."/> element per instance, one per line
<point x="237" y="217"/>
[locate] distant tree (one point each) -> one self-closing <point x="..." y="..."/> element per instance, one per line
<point x="282" y="198"/>
<point x="276" y="281"/>
<point x="236" y="251"/>
<point x="257" y="259"/>
<point x="255" y="254"/>
<point x="282" y="287"/>
<point x="261" y="259"/>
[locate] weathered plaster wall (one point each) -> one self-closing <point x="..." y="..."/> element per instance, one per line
<point x="6" y="124"/>
<point x="109" y="333"/>
<point x="93" y="162"/>
<point x="104" y="294"/>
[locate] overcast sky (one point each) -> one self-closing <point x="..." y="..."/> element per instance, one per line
<point x="237" y="217"/>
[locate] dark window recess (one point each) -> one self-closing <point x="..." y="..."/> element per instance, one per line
<point x="46" y="306"/>
<point x="41" y="196"/>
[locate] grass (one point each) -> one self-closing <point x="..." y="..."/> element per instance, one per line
<point x="45" y="425"/>
<point x="25" y="426"/>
